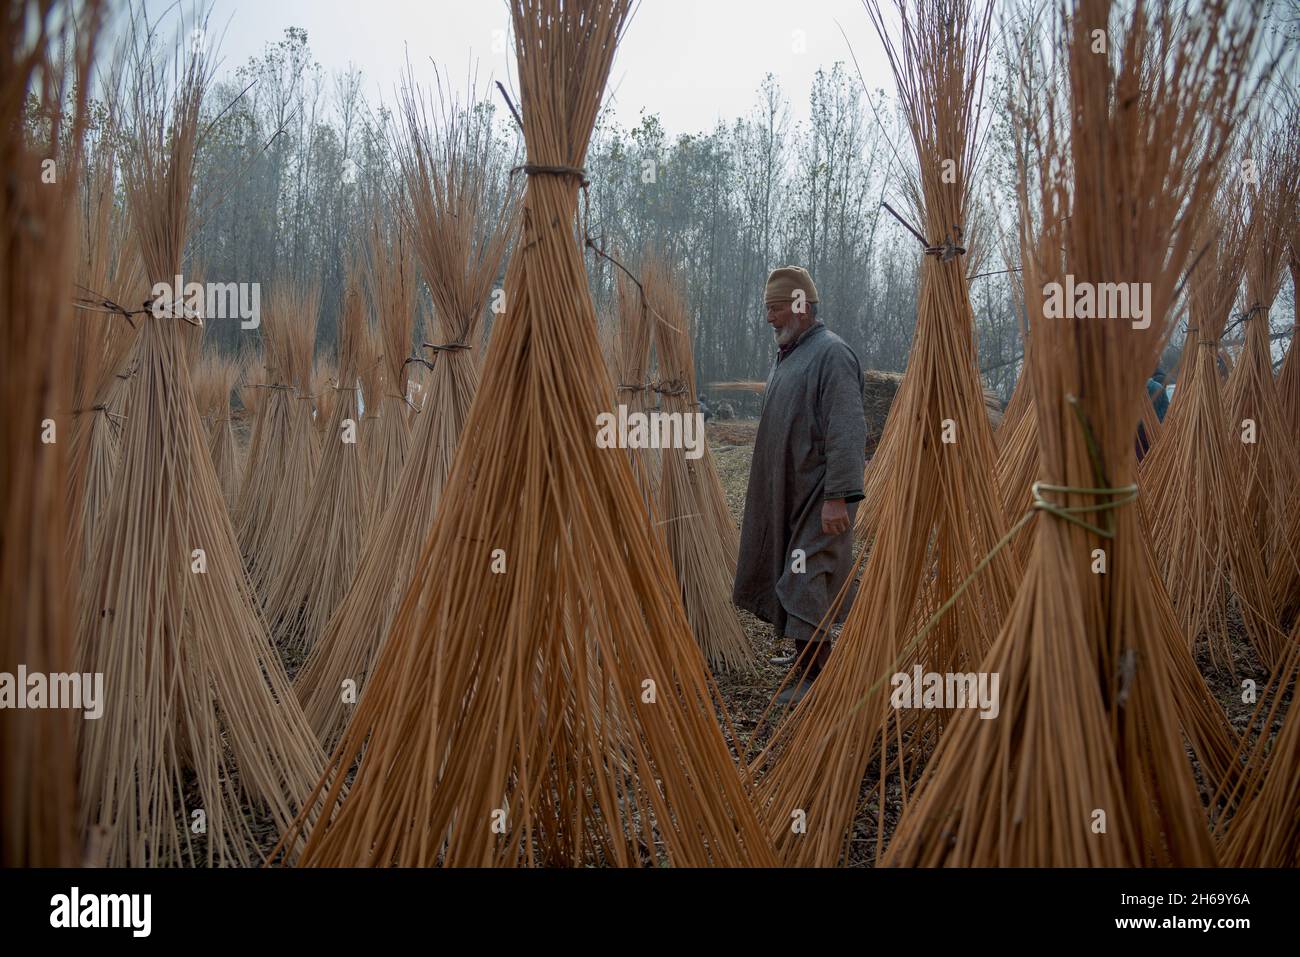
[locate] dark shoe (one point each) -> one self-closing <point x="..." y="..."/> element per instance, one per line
<point x="794" y="693"/>
<point x="785" y="661"/>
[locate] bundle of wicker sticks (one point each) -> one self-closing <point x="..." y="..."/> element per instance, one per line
<point x="540" y="698"/>
<point x="1086" y="764"/>
<point x="283" y="452"/>
<point x="697" y="525"/>
<point x="461" y="229"/>
<point x="336" y="516"/>
<point x="166" y="610"/>
<point x="38" y="785"/>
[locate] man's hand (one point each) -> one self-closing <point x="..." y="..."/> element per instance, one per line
<point x="835" y="516"/>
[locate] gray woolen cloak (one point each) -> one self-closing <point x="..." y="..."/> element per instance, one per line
<point x="809" y="448"/>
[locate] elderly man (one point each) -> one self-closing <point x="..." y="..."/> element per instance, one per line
<point x="805" y="479"/>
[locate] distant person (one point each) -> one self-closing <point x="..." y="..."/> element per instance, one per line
<point x="1156" y="389"/>
<point x="1160" y="401"/>
<point x="805" y="480"/>
<point x="703" y="402"/>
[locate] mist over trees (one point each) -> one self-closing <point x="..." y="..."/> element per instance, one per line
<point x="294" y="160"/>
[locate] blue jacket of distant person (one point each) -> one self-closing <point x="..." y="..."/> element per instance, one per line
<point x="1159" y="398"/>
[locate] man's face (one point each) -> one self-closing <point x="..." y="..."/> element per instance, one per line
<point x="786" y="324"/>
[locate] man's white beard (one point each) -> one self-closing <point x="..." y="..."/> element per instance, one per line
<point x="787" y="335"/>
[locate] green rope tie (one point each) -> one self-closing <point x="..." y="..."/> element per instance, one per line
<point x="1068" y="513"/>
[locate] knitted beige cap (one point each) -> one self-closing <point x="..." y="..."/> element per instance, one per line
<point x="783" y="282"/>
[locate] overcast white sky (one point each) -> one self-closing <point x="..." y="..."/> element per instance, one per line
<point x="690" y="61"/>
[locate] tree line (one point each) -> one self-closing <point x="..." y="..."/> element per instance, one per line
<point x="295" y="162"/>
